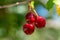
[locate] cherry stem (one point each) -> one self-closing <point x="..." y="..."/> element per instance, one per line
<point x="35" y="13"/>
<point x="32" y="9"/>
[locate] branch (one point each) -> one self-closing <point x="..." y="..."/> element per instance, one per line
<point x="17" y="3"/>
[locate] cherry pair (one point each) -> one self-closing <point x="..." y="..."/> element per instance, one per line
<point x="32" y="21"/>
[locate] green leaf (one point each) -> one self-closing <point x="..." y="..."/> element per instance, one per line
<point x="32" y="4"/>
<point x="49" y="4"/>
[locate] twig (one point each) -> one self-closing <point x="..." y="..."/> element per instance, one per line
<point x="17" y="3"/>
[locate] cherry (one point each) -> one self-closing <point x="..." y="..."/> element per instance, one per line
<point x="40" y="22"/>
<point x="28" y="28"/>
<point x="30" y="17"/>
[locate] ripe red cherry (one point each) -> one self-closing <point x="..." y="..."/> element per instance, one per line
<point x="40" y="22"/>
<point x="28" y="28"/>
<point x="30" y="17"/>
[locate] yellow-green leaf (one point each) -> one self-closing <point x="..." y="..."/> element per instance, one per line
<point x="32" y="4"/>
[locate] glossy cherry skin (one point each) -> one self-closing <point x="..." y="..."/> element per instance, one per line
<point x="28" y="28"/>
<point x="30" y="18"/>
<point x="40" y="22"/>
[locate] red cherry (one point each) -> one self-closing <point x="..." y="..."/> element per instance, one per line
<point x="30" y="17"/>
<point x="40" y="22"/>
<point x="28" y="28"/>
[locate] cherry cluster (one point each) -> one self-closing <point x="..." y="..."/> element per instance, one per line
<point x="33" y="21"/>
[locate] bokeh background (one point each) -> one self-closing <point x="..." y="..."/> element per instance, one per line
<point x="12" y="20"/>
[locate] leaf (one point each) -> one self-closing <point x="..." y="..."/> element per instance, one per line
<point x="32" y="4"/>
<point x="49" y="4"/>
